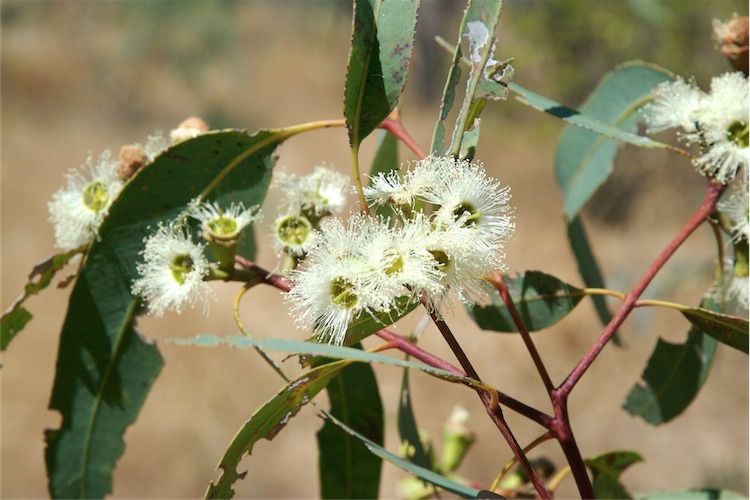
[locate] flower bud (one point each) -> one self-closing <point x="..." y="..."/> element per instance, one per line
<point x="457" y="438"/>
<point x="733" y="41"/>
<point x="132" y="158"/>
<point x="189" y="128"/>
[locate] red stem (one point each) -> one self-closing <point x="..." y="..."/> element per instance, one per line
<point x="709" y="202"/>
<point x="397" y="129"/>
<point x="497" y="281"/>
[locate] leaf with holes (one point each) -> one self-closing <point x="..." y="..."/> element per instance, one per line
<point x="267" y="421"/>
<point x="104" y="368"/>
<point x="16" y="316"/>
<point x="542" y="300"/>
<point x="381" y="48"/>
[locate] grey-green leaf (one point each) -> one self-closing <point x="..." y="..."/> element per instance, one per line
<point x="607" y="469"/>
<point x="316" y="349"/>
<point x="267" y="421"/>
<point x="729" y="330"/>
<point x="408" y="431"/>
<point x="422" y="473"/>
<point x="16" y="317"/>
<point x="672" y="378"/>
<point x="347" y="469"/>
<point x="104" y="368"/>
<point x="381" y="48"/>
<point x="542" y="300"/>
<point x="584" y="158"/>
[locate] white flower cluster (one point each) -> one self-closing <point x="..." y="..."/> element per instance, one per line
<point x="307" y="199"/>
<point x="78" y="209"/>
<point x="732" y="291"/>
<point x="452" y="224"/>
<point x="717" y="122"/>
<point x="174" y="268"/>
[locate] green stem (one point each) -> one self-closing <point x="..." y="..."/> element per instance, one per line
<point x="358" y="179"/>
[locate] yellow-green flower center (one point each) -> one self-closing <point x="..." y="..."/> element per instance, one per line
<point x="180" y="266"/>
<point x="396" y="265"/>
<point x="342" y="293"/>
<point x="293" y="230"/>
<point x="442" y="261"/>
<point x="739" y="133"/>
<point x="95" y="196"/>
<point x="467" y="208"/>
<point x="223" y="226"/>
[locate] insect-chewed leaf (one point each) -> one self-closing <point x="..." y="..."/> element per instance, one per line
<point x="584" y="158"/>
<point x="16" y="316"/>
<point x="382" y="42"/>
<point x="607" y="469"/>
<point x="104" y="368"/>
<point x="267" y="421"/>
<point x="672" y="378"/>
<point x="542" y="300"/>
<point x="729" y="330"/>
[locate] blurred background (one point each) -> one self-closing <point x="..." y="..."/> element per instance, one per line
<point x="80" y="76"/>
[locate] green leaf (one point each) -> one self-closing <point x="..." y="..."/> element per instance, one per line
<point x="16" y="316"/>
<point x="607" y="469"/>
<point x="408" y="431"/>
<point x="704" y="494"/>
<point x="422" y="473"/>
<point x="347" y="469"/>
<point x="584" y="158"/>
<point x="589" y="270"/>
<point x="729" y="330"/>
<point x="315" y="349"/>
<point x="672" y="378"/>
<point x="386" y="160"/>
<point x="382" y="42"/>
<point x="366" y="324"/>
<point x="267" y="421"/>
<point x="12" y="323"/>
<point x="488" y="13"/>
<point x="542" y="300"/>
<point x="104" y="369"/>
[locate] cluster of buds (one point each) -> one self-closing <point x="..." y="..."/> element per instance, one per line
<point x="78" y="208"/>
<point x="452" y="221"/>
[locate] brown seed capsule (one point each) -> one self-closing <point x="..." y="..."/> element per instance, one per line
<point x="189" y="128"/>
<point x="132" y="158"/>
<point x="733" y="41"/>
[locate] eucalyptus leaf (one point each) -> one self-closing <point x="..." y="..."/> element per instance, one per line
<point x="584" y="158"/>
<point x="729" y="330"/>
<point x="607" y="469"/>
<point x="347" y="469"/>
<point x="672" y="378"/>
<point x="16" y="316"/>
<point x="408" y="431"/>
<point x="104" y="368"/>
<point x="267" y="421"/>
<point x="381" y="48"/>
<point x="541" y="299"/>
<point x="431" y="477"/>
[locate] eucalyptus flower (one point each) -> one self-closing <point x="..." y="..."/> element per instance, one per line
<point x="322" y="192"/>
<point x="219" y="223"/>
<point x="734" y="205"/>
<point x="78" y="209"/>
<point x="292" y="233"/>
<point x="173" y="271"/>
